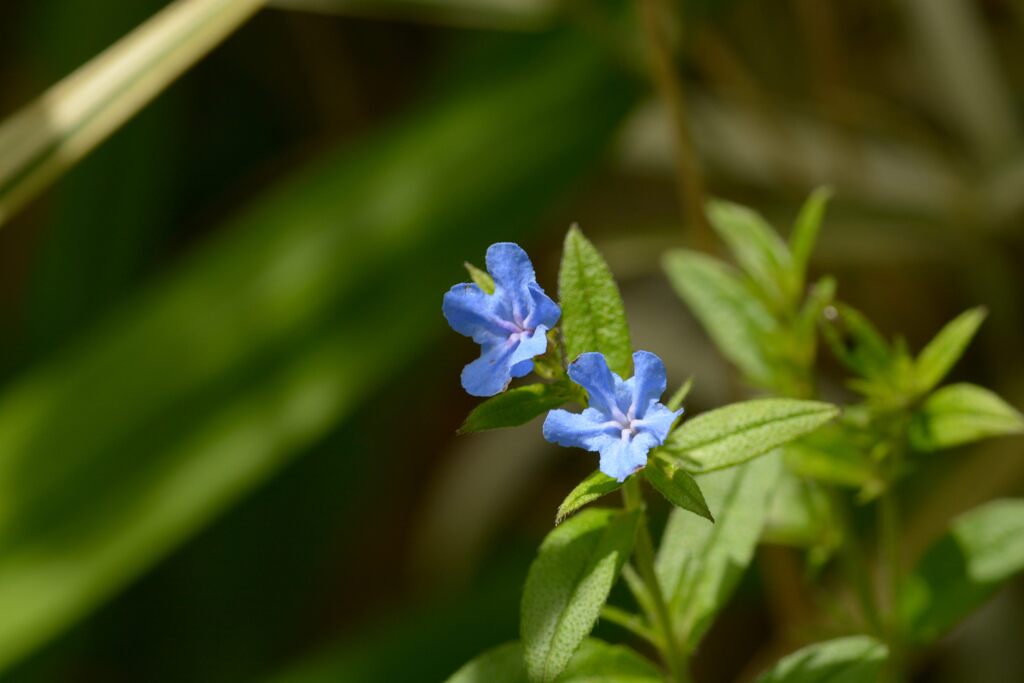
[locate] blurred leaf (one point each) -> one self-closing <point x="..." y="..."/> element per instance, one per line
<point x="517" y="406"/>
<point x="831" y="454"/>
<point x="857" y="343"/>
<point x="805" y="235"/>
<point x="593" y="318"/>
<point x="482" y="278"/>
<point x="938" y="357"/>
<point x="741" y="431"/>
<point x="757" y="247"/>
<point x="853" y="659"/>
<point x="678" y="398"/>
<point x="959" y="414"/>
<point x="209" y="381"/>
<point x="800" y="514"/>
<point x="595" y="661"/>
<point x="488" y="14"/>
<point x="678" y="486"/>
<point x="595" y="486"/>
<point x="700" y="563"/>
<point x="734" y="318"/>
<point x="963" y="569"/>
<point x="40" y="142"/>
<point x="568" y="583"/>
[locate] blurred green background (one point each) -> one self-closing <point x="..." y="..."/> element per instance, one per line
<point x="229" y="399"/>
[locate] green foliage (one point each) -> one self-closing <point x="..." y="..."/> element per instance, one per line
<point x="568" y="584"/>
<point x="962" y="570"/>
<point x="854" y="659"/>
<point x="800" y="514"/>
<point x="700" y="563"/>
<point x="833" y="454"/>
<point x="677" y="485"/>
<point x="517" y="406"/>
<point x="595" y="661"/>
<point x="739" y="432"/>
<point x="593" y="318"/>
<point x="937" y="358"/>
<point x="756" y="246"/>
<point x="482" y="278"/>
<point x="595" y="486"/>
<point x="805" y="235"/>
<point x="959" y="414"/>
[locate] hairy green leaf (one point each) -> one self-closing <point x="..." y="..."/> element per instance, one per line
<point x="959" y="414"/>
<point x="568" y="584"/>
<point x="853" y="659"/>
<point x="700" y="563"/>
<point x="938" y="357"/>
<point x="757" y="247"/>
<point x="593" y="318"/>
<point x="595" y="662"/>
<point x="677" y="485"/>
<point x="962" y="570"/>
<point x="741" y="431"/>
<point x="805" y="235"/>
<point x="482" y="278"/>
<point x="733" y="317"/>
<point x="595" y="486"/>
<point x="517" y="406"/>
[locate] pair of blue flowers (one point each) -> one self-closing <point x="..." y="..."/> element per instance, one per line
<point x="624" y="420"/>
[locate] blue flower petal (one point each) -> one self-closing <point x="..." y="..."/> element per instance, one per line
<point x="472" y="312"/>
<point x="657" y="422"/>
<point x="647" y="383"/>
<point x="588" y="430"/>
<point x="491" y="372"/>
<point x="590" y="371"/>
<point x="510" y="267"/>
<point x="543" y="311"/>
<point x="622" y="457"/>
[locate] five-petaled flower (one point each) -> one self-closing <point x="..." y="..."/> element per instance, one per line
<point x="624" y="420"/>
<point x="510" y="325"/>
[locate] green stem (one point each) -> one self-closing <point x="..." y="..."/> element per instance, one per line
<point x="888" y="516"/>
<point x="675" y="657"/>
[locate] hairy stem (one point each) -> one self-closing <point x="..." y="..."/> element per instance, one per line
<point x="675" y="657"/>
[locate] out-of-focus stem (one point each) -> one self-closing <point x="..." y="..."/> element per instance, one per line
<point x="888" y="519"/>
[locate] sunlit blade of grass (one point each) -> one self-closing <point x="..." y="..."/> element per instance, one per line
<point x="41" y="141"/>
<point x="515" y="15"/>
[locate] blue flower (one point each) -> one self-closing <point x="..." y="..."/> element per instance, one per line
<point x="510" y="325"/>
<point x="624" y="420"/>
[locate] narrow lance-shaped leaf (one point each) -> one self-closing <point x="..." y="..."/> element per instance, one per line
<point x="594" y="661"/>
<point x="757" y="247"/>
<point x="805" y="235"/>
<point x="595" y="486"/>
<point x="593" y="317"/>
<point x="963" y="569"/>
<point x="568" y="584"/>
<point x="959" y="414"/>
<point x="700" y="563"/>
<point x="739" y="432"/>
<point x="677" y="485"/>
<point x="731" y="314"/>
<point x="482" y="278"/>
<point x="938" y="357"/>
<point x="854" y="659"/>
<point x="517" y="406"/>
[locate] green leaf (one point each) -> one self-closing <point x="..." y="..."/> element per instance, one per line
<point x="831" y="454"/>
<point x="593" y="318"/>
<point x="679" y="397"/>
<point x="757" y="247"/>
<point x="482" y="278"/>
<point x="959" y="414"/>
<point x="962" y="570"/>
<point x="857" y="343"/>
<point x="800" y="514"/>
<point x="677" y="485"/>
<point x="853" y="659"/>
<point x="594" y="662"/>
<point x="938" y="357"/>
<point x="805" y="235"/>
<point x="732" y="315"/>
<point x="700" y="563"/>
<point x="596" y="485"/>
<point x="568" y="583"/>
<point x="741" y="431"/>
<point x="517" y="406"/>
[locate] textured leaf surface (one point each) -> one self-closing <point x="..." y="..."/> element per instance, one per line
<point x="732" y="316"/>
<point x="938" y="357"/>
<point x="594" y="662"/>
<point x="854" y="659"/>
<point x="516" y="406"/>
<point x="962" y="413"/>
<point x="595" y="486"/>
<point x="962" y="570"/>
<point x="677" y="485"/>
<point x="757" y="247"/>
<point x="568" y="584"/>
<point x="593" y="318"/>
<point x="739" y="432"/>
<point x="700" y="563"/>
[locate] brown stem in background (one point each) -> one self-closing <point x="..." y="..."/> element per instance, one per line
<point x="690" y="188"/>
